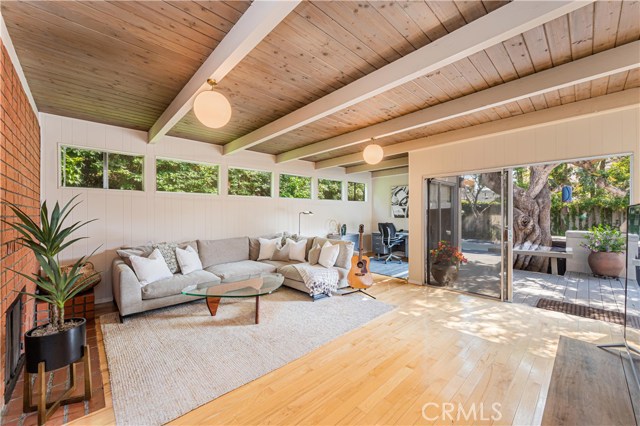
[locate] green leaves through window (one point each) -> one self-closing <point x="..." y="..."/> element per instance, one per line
<point x="184" y="176"/>
<point x="88" y="168"/>
<point x="329" y="189"/>
<point x="356" y="191"/>
<point x="292" y="186"/>
<point x="249" y="182"/>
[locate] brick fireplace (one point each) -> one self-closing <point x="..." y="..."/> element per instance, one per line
<point x="19" y="184"/>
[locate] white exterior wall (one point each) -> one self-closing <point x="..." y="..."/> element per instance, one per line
<point x="137" y="217"/>
<point x="605" y="134"/>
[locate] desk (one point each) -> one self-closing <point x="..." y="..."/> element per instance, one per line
<point x="379" y="248"/>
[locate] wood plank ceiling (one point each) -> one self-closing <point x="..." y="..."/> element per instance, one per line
<point x="122" y="63"/>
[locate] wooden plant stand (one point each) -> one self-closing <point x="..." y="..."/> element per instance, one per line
<point x="46" y="409"/>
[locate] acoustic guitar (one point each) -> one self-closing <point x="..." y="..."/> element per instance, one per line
<point x="359" y="275"/>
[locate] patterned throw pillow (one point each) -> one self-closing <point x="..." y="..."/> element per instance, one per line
<point x="168" y="251"/>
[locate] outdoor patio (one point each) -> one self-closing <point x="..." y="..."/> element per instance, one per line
<point x="574" y="287"/>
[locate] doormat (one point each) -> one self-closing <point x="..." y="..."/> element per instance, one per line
<point x="588" y="312"/>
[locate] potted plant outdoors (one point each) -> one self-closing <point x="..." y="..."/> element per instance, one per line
<point x="60" y="342"/>
<point x="607" y="251"/>
<point x="445" y="263"/>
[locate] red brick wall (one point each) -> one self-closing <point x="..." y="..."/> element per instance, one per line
<point x="19" y="184"/>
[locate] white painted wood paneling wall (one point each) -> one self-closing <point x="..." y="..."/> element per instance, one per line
<point x="382" y="200"/>
<point x="137" y="217"/>
<point x="593" y="136"/>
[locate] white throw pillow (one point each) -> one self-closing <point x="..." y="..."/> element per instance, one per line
<point x="267" y="248"/>
<point x="150" y="269"/>
<point x="297" y="249"/>
<point x="188" y="260"/>
<point x="329" y="254"/>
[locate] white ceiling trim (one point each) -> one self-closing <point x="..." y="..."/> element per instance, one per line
<point x="500" y="25"/>
<point x="258" y="21"/>
<point x="601" y="104"/>
<point x="602" y="64"/>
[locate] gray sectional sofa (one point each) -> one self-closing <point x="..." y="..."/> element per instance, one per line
<point x="221" y="260"/>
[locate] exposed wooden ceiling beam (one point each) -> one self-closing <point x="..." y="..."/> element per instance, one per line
<point x="383" y="165"/>
<point x="506" y="22"/>
<point x="390" y="172"/>
<point x="258" y="21"/>
<point x="589" y="68"/>
<point x="609" y="103"/>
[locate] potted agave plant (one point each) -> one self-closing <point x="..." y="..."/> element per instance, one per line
<point x="445" y="262"/>
<point x="60" y="342"/>
<point x="607" y="251"/>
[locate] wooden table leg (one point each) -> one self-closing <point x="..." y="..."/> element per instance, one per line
<point x="212" y="304"/>
<point x="257" y="309"/>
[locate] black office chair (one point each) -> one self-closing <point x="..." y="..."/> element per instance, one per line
<point x="389" y="240"/>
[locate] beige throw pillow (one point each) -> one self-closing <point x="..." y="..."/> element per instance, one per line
<point x="314" y="254"/>
<point x="328" y="254"/>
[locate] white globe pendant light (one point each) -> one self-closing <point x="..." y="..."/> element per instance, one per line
<point x="373" y="153"/>
<point x="212" y="108"/>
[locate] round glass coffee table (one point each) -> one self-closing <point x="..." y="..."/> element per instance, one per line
<point x="236" y="287"/>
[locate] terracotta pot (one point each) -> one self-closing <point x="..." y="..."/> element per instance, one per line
<point x="56" y="350"/>
<point x="444" y="274"/>
<point x="606" y="264"/>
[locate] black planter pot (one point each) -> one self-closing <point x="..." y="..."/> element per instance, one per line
<point x="56" y="350"/>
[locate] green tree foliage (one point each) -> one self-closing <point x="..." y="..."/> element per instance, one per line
<point x="292" y="186"/>
<point x="82" y="168"/>
<point x="249" y="182"/>
<point x="329" y="189"/>
<point x="182" y="176"/>
<point x="356" y="191"/>
<point x="600" y="192"/>
<point x="126" y="171"/>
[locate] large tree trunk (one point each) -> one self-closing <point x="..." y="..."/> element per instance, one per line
<point x="531" y="216"/>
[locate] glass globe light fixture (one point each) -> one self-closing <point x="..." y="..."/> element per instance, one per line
<point x="212" y="108"/>
<point x="373" y="154"/>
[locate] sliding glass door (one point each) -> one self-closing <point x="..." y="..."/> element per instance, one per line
<point x="468" y="214"/>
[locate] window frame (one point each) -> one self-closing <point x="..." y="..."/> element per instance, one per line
<point x="296" y="175"/>
<point x="364" y="192"/>
<point x="254" y="170"/>
<point x="105" y="168"/>
<point x="206" y="194"/>
<point x="332" y="180"/>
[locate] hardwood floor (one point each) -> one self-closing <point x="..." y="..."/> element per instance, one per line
<point x="436" y="347"/>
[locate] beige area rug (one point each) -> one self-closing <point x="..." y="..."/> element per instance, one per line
<point x="168" y="362"/>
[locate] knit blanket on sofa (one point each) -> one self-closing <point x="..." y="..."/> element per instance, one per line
<point x="318" y="279"/>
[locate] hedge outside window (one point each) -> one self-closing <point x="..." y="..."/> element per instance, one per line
<point x="88" y="168"/>
<point x="329" y="189"/>
<point x="249" y="182"/>
<point x="356" y="191"/>
<point x="185" y="176"/>
<point x="292" y="186"/>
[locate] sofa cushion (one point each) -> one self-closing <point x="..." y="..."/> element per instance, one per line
<point x="238" y="269"/>
<point x="254" y="248"/>
<point x="280" y="263"/>
<point x="126" y="252"/>
<point x="345" y="254"/>
<point x="290" y="272"/>
<point x="217" y="252"/>
<point x="175" y="284"/>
